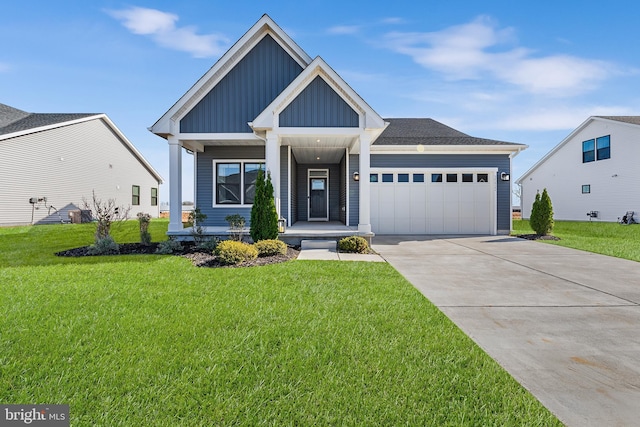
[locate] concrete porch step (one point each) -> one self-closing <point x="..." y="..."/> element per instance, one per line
<point x="319" y="244"/>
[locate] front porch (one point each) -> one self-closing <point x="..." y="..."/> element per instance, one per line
<point x="301" y="230"/>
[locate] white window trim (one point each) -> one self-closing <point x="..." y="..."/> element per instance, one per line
<point x="215" y="183"/>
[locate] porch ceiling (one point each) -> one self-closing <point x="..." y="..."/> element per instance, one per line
<point x="319" y="148"/>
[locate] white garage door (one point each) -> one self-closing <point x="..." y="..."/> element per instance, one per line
<point x="430" y="201"/>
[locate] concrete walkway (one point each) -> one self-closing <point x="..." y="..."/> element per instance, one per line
<point x="326" y="250"/>
<point x="564" y="323"/>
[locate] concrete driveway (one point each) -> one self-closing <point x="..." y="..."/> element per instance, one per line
<point x="564" y="323"/>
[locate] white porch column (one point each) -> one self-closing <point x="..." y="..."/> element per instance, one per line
<point x="364" y="222"/>
<point x="272" y="164"/>
<point x="175" y="184"/>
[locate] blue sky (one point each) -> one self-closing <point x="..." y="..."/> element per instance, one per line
<point x="526" y="72"/>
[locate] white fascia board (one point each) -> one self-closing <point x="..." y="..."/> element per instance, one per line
<point x="53" y="126"/>
<point x="221" y="68"/>
<point x="132" y="148"/>
<point x="446" y="149"/>
<point x="268" y="118"/>
<point x="556" y="148"/>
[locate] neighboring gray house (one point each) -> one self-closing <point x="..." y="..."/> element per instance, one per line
<point x="267" y="104"/>
<point x="592" y="174"/>
<point x="50" y="162"/>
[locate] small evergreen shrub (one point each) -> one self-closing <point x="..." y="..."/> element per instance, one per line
<point x="104" y="246"/>
<point x="264" y="216"/>
<point x="168" y="247"/>
<point x="195" y="220"/>
<point x="355" y="244"/>
<point x="270" y="247"/>
<point x="235" y="252"/>
<point x="209" y="245"/>
<point x="143" y="220"/>
<point x="541" y="220"/>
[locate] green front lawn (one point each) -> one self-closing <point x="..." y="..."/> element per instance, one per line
<point x="607" y="238"/>
<point x="152" y="340"/>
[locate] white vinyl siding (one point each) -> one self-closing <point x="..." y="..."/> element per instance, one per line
<point x="65" y="165"/>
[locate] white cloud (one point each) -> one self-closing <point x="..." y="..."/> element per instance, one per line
<point x="344" y="29"/>
<point x="481" y="50"/>
<point x="161" y="27"/>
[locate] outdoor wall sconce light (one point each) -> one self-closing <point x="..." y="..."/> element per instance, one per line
<point x="282" y="224"/>
<point x="356" y="176"/>
<point x="504" y="176"/>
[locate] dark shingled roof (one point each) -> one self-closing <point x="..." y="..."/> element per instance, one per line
<point x="634" y="120"/>
<point x="14" y="120"/>
<point x="428" y="132"/>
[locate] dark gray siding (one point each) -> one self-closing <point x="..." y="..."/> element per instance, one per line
<point x="303" y="188"/>
<point x="244" y="92"/>
<point x="205" y="181"/>
<point x="500" y="161"/>
<point x="354" y="191"/>
<point x="318" y="106"/>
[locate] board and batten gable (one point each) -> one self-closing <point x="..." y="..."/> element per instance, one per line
<point x="613" y="182"/>
<point x="452" y="161"/>
<point x="65" y="164"/>
<point x="244" y="92"/>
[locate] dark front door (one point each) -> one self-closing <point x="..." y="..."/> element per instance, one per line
<point x="318" y="198"/>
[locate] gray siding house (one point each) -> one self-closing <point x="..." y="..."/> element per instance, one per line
<point x="50" y="162"/>
<point x="268" y="105"/>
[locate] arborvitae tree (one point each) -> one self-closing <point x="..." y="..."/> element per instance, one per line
<point x="546" y="214"/>
<point x="264" y="216"/>
<point x="542" y="214"/>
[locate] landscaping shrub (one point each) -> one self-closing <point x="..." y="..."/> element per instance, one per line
<point x="195" y="220"/>
<point x="355" y="244"/>
<point x="236" y="225"/>
<point x="270" y="247"/>
<point x="105" y="213"/>
<point x="209" y="245"/>
<point x="143" y="220"/>
<point x="104" y="246"/>
<point x="541" y="220"/>
<point x="264" y="217"/>
<point x="234" y="252"/>
<point x="168" y="247"/>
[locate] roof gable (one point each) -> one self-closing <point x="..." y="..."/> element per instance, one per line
<point x="167" y="124"/>
<point x="269" y="118"/>
<point x="244" y="91"/>
<point x="626" y="120"/>
<point x="9" y="115"/>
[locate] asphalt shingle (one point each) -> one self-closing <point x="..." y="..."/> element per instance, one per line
<point x="14" y="120"/>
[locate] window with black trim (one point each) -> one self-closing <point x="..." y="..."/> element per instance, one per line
<point x="418" y="177"/>
<point x="452" y="177"/>
<point x="154" y="196"/>
<point x="235" y="182"/>
<point x="135" y="195"/>
<point x="467" y="177"/>
<point x="403" y="177"/>
<point x="482" y="177"/>
<point x="603" y="147"/>
<point x="588" y="151"/>
<point x="387" y="177"/>
<point x="373" y="177"/>
<point x="436" y="177"/>
<point x="586" y="189"/>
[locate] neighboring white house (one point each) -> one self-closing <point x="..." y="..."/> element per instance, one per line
<point x="593" y="170"/>
<point x="51" y="162"/>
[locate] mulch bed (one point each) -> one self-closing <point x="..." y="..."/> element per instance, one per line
<point x="536" y="237"/>
<point x="197" y="257"/>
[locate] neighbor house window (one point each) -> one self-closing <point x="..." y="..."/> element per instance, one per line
<point x="236" y="182"/>
<point x="586" y="189"/>
<point x="154" y="196"/>
<point x="403" y="177"/>
<point x="603" y="148"/>
<point x="135" y="195"/>
<point x="588" y="151"/>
